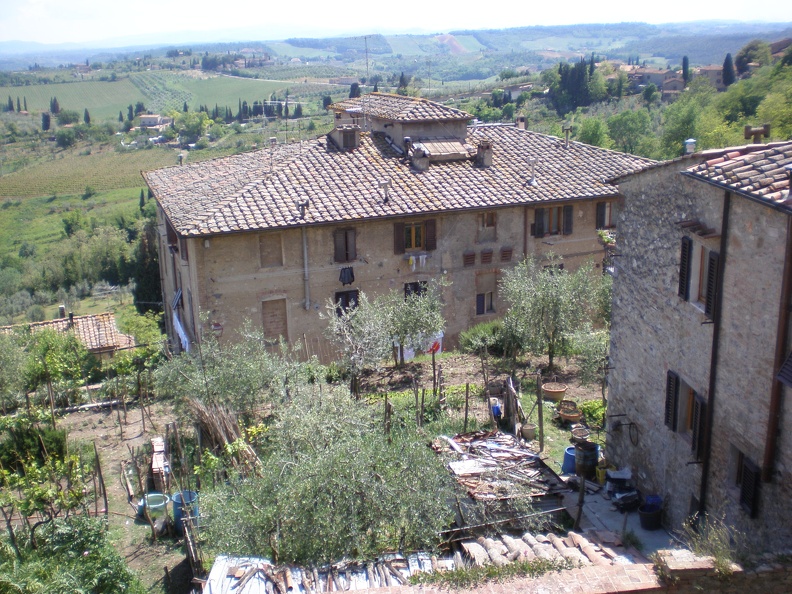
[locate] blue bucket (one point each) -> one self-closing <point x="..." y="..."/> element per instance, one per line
<point x="184" y="503"/>
<point x="568" y="467"/>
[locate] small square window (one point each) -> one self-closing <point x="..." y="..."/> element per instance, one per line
<point x="506" y="254"/>
<point x="346" y="300"/>
<point x="469" y="258"/>
<point x="417" y="288"/>
<point x="485" y="303"/>
<point x="486" y="256"/>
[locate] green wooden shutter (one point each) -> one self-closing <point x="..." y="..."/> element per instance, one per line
<point x="685" y="261"/>
<point x="699" y="425"/>
<point x="539" y="220"/>
<point x="711" y="301"/>
<point x="480" y="304"/>
<point x="568" y="214"/>
<point x="672" y="396"/>
<point x="339" y="243"/>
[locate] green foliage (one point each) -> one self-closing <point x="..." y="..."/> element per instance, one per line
<point x="65" y="138"/>
<point x="756" y="51"/>
<point x="73" y="555"/>
<point x="729" y="75"/>
<point x="54" y="356"/>
<point x="487" y="338"/>
<point x="332" y="486"/>
<point x="594" y="411"/>
<point x="469" y="578"/>
<point x="26" y="441"/>
<point x="12" y="361"/>
<point x="548" y="304"/>
<point x="711" y="535"/>
<point x="628" y="128"/>
<point x="594" y="131"/>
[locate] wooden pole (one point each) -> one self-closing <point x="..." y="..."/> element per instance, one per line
<point x="540" y="411"/>
<point x="581" y="496"/>
<point x="101" y="478"/>
<point x="51" y="401"/>
<point x="423" y="399"/>
<point x="467" y="401"/>
<point x="434" y="374"/>
<point x="417" y="404"/>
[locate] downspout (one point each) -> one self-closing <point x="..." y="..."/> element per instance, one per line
<point x="525" y="232"/>
<point x="780" y="354"/>
<point x="713" y="376"/>
<point x="305" y="268"/>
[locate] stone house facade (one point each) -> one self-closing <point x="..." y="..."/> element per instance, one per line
<point x="700" y="331"/>
<point x="400" y="193"/>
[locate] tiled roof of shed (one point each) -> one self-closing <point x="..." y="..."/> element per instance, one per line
<point x="98" y="332"/>
<point x="400" y="108"/>
<point x="240" y="193"/>
<point x="758" y="171"/>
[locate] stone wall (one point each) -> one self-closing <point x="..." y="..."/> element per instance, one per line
<point x="655" y="330"/>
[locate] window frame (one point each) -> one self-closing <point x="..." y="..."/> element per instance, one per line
<point x="416" y="232"/>
<point x="346" y="300"/>
<point x="604" y="216"/>
<point x="485" y="303"/>
<point x="267" y="239"/>
<point x="418" y="288"/>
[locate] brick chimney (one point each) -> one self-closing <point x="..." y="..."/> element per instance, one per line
<point x="484" y="153"/>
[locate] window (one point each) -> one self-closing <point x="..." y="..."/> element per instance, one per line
<point x="183" y="247"/>
<point x="274" y="320"/>
<point x="270" y="250"/>
<point x="345" y="300"/>
<point x="553" y="221"/>
<point x="486" y="256"/>
<point x="486" y="284"/>
<point x="746" y="476"/>
<point x="469" y="258"/>
<point x="344" y="245"/>
<point x="604" y="215"/>
<point x="487" y="228"/>
<point x="415" y="288"/>
<point x="506" y="254"/>
<point x="698" y="275"/>
<point x="685" y="412"/>
<point x="415" y="236"/>
<point x="485" y="303"/>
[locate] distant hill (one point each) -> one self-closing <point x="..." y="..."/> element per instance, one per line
<point x="704" y="42"/>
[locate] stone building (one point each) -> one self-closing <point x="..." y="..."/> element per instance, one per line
<point x="700" y="331"/>
<point x="402" y="191"/>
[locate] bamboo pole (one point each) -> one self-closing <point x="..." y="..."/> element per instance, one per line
<point x="467" y="401"/>
<point x="540" y="411"/>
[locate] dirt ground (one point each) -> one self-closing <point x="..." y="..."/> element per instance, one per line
<point x="132" y="537"/>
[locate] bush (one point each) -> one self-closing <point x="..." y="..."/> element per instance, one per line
<point x="65" y="138"/>
<point x="36" y="313"/>
<point x="491" y="336"/>
<point x="594" y="411"/>
<point x="24" y="442"/>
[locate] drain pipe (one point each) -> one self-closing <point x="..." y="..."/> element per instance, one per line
<point x="305" y="268"/>
<point x="713" y="376"/>
<point x="780" y="353"/>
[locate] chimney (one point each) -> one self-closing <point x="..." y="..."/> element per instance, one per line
<point x="71" y="320"/>
<point x="302" y="206"/>
<point x="420" y="160"/>
<point x="757" y="132"/>
<point x="385" y="185"/>
<point x="61" y="311"/>
<point x="532" y="163"/>
<point x="567" y="129"/>
<point x="346" y="137"/>
<point x="520" y="122"/>
<point x="484" y="153"/>
<point x="690" y="146"/>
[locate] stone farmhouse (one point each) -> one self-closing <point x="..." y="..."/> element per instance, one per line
<point x="700" y="345"/>
<point x="401" y="192"/>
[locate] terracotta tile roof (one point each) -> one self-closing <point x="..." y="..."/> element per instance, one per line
<point x="757" y="171"/>
<point x="98" y="332"/>
<point x="400" y="108"/>
<point x="240" y="193"/>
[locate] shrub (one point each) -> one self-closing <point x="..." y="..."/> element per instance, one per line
<point x="491" y="336"/>
<point x="65" y="138"/>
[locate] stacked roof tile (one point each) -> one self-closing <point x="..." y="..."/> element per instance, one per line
<point x="757" y="171"/>
<point x="400" y="108"/>
<point x="260" y="190"/>
<point x="97" y="332"/>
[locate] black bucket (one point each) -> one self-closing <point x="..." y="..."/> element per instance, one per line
<point x="650" y="515"/>
<point x="586" y="457"/>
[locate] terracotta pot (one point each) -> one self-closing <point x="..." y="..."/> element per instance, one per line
<point x="554" y="391"/>
<point x="528" y="431"/>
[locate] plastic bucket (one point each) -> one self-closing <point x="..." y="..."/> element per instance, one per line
<point x="650" y="515"/>
<point x="568" y="467"/>
<point x="184" y="503"/>
<point x="156" y="503"/>
<point x="586" y="457"/>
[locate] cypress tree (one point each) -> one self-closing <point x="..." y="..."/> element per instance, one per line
<point x="728" y="71"/>
<point x="55" y="106"/>
<point x="142" y="200"/>
<point x="45" y="120"/>
<point x="130" y="112"/>
<point x="120" y="116"/>
<point x="10" y="105"/>
<point x="87" y="117"/>
<point x="19" y="105"/>
<point x="685" y="69"/>
<point x="24" y="100"/>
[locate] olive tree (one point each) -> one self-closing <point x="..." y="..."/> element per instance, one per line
<point x="547" y="304"/>
<point x="415" y="317"/>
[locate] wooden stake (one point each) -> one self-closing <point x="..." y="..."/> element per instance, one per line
<point x="467" y="400"/>
<point x="581" y="496"/>
<point x="417" y="405"/>
<point x="540" y="412"/>
<point x="101" y="478"/>
<point x="423" y="399"/>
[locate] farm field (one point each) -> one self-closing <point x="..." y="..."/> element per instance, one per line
<point x="469" y="42"/>
<point x="407" y="45"/>
<point x="286" y="49"/>
<point x="68" y="172"/>
<point x="102" y="99"/>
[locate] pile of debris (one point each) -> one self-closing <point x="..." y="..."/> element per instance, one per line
<point x="496" y="466"/>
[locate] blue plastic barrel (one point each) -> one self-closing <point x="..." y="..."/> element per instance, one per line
<point x="184" y="503"/>
<point x="568" y="467"/>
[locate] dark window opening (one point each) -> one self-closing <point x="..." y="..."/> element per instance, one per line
<point x="485" y="303"/>
<point x="415" y="288"/>
<point x="345" y="245"/>
<point x="346" y="300"/>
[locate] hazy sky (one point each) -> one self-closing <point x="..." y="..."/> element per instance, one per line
<point x="58" y="21"/>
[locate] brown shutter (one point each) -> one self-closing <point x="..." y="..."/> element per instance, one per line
<point x="749" y="487"/>
<point x="431" y="234"/>
<point x="699" y="425"/>
<point x="486" y="256"/>
<point x="506" y="254"/>
<point x="600" y="215"/>
<point x="568" y="213"/>
<point x="539" y="218"/>
<point x="398" y="238"/>
<point x="339" y="243"/>
<point x="672" y="395"/>
<point x="685" y="261"/>
<point x="351" y="244"/>
<point x="712" y="284"/>
<point x="469" y="258"/>
<point x="480" y="304"/>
